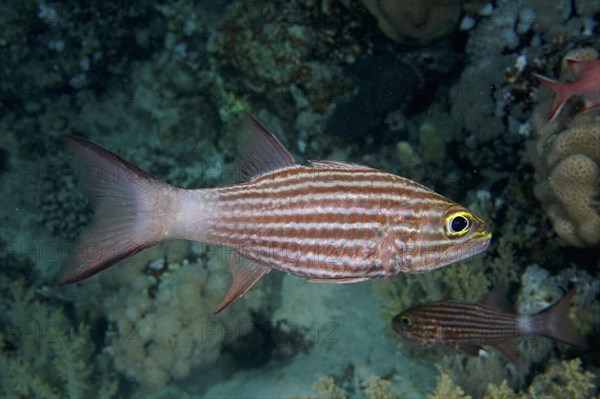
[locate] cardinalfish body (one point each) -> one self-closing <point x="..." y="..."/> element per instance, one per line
<point x="333" y="222"/>
<point x="468" y="325"/>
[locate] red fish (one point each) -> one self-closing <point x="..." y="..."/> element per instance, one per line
<point x="469" y="325"/>
<point x="334" y="222"/>
<point x="586" y="85"/>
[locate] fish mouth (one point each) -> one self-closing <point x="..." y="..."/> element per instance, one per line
<point x="486" y="242"/>
<point x="482" y="245"/>
<point x="483" y="239"/>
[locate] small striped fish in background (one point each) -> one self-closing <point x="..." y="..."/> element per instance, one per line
<point x="333" y="222"/>
<point x="468" y="325"/>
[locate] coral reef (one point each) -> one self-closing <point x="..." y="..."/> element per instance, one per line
<point x="378" y="388"/>
<point x="415" y="23"/>
<point x="163" y="84"/>
<point x="561" y="380"/>
<point x="446" y="389"/>
<point x="374" y="387"/>
<point x="325" y="387"/>
<point x="566" y="156"/>
<point x="540" y="289"/>
<point x="284" y="59"/>
<point x="160" y="317"/>
<point x="44" y="353"/>
<point x="566" y="379"/>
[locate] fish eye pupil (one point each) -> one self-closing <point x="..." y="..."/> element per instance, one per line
<point x="459" y="224"/>
<point x="405" y="321"/>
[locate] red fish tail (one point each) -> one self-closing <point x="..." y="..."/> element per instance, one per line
<point x="129" y="209"/>
<point x="555" y="323"/>
<point x="562" y="94"/>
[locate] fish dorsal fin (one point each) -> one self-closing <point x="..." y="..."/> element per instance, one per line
<point x="509" y="348"/>
<point x="496" y="299"/>
<point x="259" y="151"/>
<point x="245" y="274"/>
<point x="338" y="165"/>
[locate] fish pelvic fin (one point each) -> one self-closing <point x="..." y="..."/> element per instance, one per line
<point x="509" y="349"/>
<point x="130" y="210"/>
<point x="245" y="274"/>
<point x="554" y="322"/>
<point x="562" y="94"/>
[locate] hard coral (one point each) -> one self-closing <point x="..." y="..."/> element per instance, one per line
<point x="44" y="353"/>
<point x="566" y="379"/>
<point x="161" y="320"/>
<point x="566" y="155"/>
<point x="415" y="22"/>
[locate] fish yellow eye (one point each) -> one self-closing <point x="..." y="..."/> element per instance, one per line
<point x="458" y="224"/>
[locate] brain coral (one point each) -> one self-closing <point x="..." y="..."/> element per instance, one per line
<point x="566" y="155"/>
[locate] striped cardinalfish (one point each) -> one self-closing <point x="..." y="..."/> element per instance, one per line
<point x="468" y="325"/>
<point x="333" y="222"/>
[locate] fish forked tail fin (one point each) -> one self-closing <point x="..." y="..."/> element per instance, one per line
<point x="556" y="324"/>
<point x="131" y="209"/>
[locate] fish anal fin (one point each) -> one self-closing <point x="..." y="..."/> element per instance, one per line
<point x="472" y="350"/>
<point x="509" y="349"/>
<point x="245" y="274"/>
<point x="259" y="151"/>
<point x="344" y="280"/>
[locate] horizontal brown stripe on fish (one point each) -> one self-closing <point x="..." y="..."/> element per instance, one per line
<point x="347" y="194"/>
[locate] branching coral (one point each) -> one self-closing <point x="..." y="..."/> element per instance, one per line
<point x="561" y="380"/>
<point x="566" y="155"/>
<point x="446" y="389"/>
<point x="326" y="388"/>
<point x="375" y="387"/>
<point x="43" y="354"/>
<point x="565" y="379"/>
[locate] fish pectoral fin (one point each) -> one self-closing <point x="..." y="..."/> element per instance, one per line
<point x="388" y="252"/>
<point x="510" y="351"/>
<point x="245" y="274"/>
<point x="344" y="280"/>
<point x="472" y="350"/>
